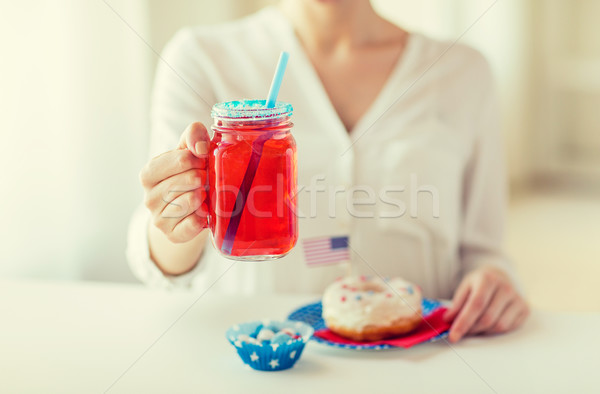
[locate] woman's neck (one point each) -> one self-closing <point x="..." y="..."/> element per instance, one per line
<point x="326" y="25"/>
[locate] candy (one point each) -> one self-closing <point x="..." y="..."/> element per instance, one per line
<point x="269" y="335"/>
<point x="248" y="339"/>
<point x="256" y="331"/>
<point x="265" y="335"/>
<point x="280" y="338"/>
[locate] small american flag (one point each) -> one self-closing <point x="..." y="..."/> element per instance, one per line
<point x="326" y="250"/>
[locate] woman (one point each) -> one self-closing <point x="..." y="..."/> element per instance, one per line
<point x="375" y="107"/>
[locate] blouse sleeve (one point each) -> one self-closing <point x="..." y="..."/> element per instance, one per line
<point x="181" y="95"/>
<point x="485" y="191"/>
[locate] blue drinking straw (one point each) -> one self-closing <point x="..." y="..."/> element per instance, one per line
<point x="257" y="148"/>
<point x="277" y="78"/>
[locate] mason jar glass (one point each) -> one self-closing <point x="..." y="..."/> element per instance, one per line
<point x="252" y="180"/>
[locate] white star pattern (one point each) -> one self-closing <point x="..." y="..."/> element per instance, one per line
<point x="293" y="354"/>
<point x="275" y="346"/>
<point x="238" y="343"/>
<point x="254" y="356"/>
<point x="274" y="363"/>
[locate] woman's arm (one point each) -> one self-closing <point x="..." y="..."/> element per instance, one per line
<point x="174" y="184"/>
<point x="486" y="300"/>
<point x="165" y="240"/>
<point x="175" y="258"/>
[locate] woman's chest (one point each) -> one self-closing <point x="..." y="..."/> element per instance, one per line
<point x="354" y="83"/>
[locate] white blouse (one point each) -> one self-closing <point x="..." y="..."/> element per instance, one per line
<point x="417" y="186"/>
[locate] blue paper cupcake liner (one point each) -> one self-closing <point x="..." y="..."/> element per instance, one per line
<point x="269" y="356"/>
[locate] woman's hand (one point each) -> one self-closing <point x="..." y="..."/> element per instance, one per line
<point x="174" y="184"/>
<point x="485" y="302"/>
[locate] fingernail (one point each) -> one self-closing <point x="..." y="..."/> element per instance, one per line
<point x="201" y="148"/>
<point x="455" y="336"/>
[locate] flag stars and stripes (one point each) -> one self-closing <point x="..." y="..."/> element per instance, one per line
<point x="326" y="250"/>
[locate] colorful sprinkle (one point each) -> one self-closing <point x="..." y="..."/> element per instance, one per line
<point x="410" y="290"/>
<point x="370" y="292"/>
<point x="344" y="286"/>
<point x="363" y="278"/>
<point x="388" y="295"/>
<point x="353" y="289"/>
<point x="358" y="297"/>
<point x="343" y="298"/>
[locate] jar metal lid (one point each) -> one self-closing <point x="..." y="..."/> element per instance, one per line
<point x="250" y="109"/>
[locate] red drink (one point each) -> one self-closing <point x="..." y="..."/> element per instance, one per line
<point x="252" y="180"/>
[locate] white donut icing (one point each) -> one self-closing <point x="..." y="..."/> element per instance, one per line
<point x="358" y="301"/>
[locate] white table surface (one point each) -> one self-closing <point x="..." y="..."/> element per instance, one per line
<point x="64" y="337"/>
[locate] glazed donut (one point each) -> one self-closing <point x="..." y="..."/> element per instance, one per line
<point x="365" y="308"/>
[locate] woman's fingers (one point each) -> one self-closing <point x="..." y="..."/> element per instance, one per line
<point x="477" y="301"/>
<point x="171" y="188"/>
<point x="499" y="302"/>
<point x="169" y="164"/>
<point x="512" y="317"/>
<point x="175" y="185"/>
<point x="182" y="206"/>
<point x="522" y="317"/>
<point x="195" y="138"/>
<point x="177" y="211"/>
<point x="188" y="228"/>
<point x="489" y="304"/>
<point x="460" y="297"/>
